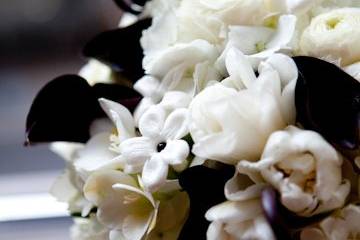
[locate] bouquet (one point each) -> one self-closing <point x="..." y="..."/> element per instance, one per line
<point x="212" y="119"/>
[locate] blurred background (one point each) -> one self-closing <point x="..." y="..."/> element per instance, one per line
<point x="39" y="40"/>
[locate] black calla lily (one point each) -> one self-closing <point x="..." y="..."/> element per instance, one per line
<point x="128" y="5"/>
<point x="283" y="222"/>
<point x="328" y="101"/>
<point x="120" y="48"/>
<point x="64" y="108"/>
<point x="205" y="187"/>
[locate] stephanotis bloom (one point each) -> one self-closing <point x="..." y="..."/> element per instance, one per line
<point x="233" y="123"/>
<point x="123" y="206"/>
<point x="344" y="225"/>
<point x="88" y="229"/>
<point x="160" y="146"/>
<point x="304" y="168"/>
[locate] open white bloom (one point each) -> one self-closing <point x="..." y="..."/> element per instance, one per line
<point x="304" y="168"/>
<point x="88" y="229"/>
<point x="96" y="72"/>
<point x="159" y="147"/>
<point x="233" y="123"/>
<point x="258" y="42"/>
<point x="82" y="160"/>
<point x="178" y="67"/>
<point x="123" y="206"/>
<point x="334" y="35"/>
<point x="238" y="220"/>
<point x="342" y="225"/>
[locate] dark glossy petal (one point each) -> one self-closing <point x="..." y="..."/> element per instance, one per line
<point x="127" y="5"/>
<point x="284" y="222"/>
<point x="64" y="109"/>
<point x="121" y="49"/>
<point x="205" y="187"/>
<point x="328" y="101"/>
<point x="121" y="94"/>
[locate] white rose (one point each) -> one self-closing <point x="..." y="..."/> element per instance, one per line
<point x="242" y="220"/>
<point x="229" y="125"/>
<point x="334" y="35"/>
<point x="304" y="168"/>
<point x="343" y="225"/>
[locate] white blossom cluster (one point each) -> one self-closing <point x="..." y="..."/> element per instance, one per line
<point x="219" y="72"/>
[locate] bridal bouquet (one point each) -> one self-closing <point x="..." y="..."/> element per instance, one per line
<point x="212" y="119"/>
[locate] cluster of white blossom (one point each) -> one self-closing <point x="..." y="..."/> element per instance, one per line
<point x="221" y="72"/>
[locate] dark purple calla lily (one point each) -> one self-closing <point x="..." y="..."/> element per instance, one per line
<point x="328" y="101"/>
<point x="64" y="109"/>
<point x="283" y="222"/>
<point x="205" y="187"/>
<point x="120" y="49"/>
<point x="128" y="5"/>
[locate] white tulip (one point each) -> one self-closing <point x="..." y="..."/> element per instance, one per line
<point x="334" y="35"/>
<point x="304" y="168"/>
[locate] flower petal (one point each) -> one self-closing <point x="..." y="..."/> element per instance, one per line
<point x="176" y="124"/>
<point x="152" y="122"/>
<point x="154" y="173"/>
<point x="137" y="150"/>
<point x="121" y="117"/>
<point x="175" y="152"/>
<point x="175" y="99"/>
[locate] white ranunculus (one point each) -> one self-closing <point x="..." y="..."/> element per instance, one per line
<point x="233" y="123"/>
<point x="334" y="35"/>
<point x="238" y="220"/>
<point x="159" y="147"/>
<point x="304" y="168"/>
<point x="96" y="72"/>
<point x="342" y="225"/>
<point x="258" y="42"/>
<point x="88" y="229"/>
<point x="123" y="206"/>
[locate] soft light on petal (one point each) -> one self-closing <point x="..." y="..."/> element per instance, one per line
<point x="154" y="173"/>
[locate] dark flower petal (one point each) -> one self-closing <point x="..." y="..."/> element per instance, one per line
<point x="124" y="95"/>
<point x="284" y="223"/>
<point x="327" y="101"/>
<point x="121" y="49"/>
<point x="127" y="5"/>
<point x="64" y="109"/>
<point x="205" y="187"/>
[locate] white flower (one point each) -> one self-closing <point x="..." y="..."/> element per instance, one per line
<point x="159" y="146"/>
<point x="334" y="35"/>
<point x="343" y="225"/>
<point x="304" y="168"/>
<point x="297" y="7"/>
<point x="242" y="220"/>
<point x="123" y="206"/>
<point x="258" y="42"/>
<point x="96" y="72"/>
<point x="88" y="229"/>
<point x="229" y="125"/>
<point x="176" y="66"/>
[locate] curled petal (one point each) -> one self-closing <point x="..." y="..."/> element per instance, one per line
<point x="154" y="173"/>
<point x="176" y="124"/>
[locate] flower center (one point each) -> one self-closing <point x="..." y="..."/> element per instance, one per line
<point x="161" y="146"/>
